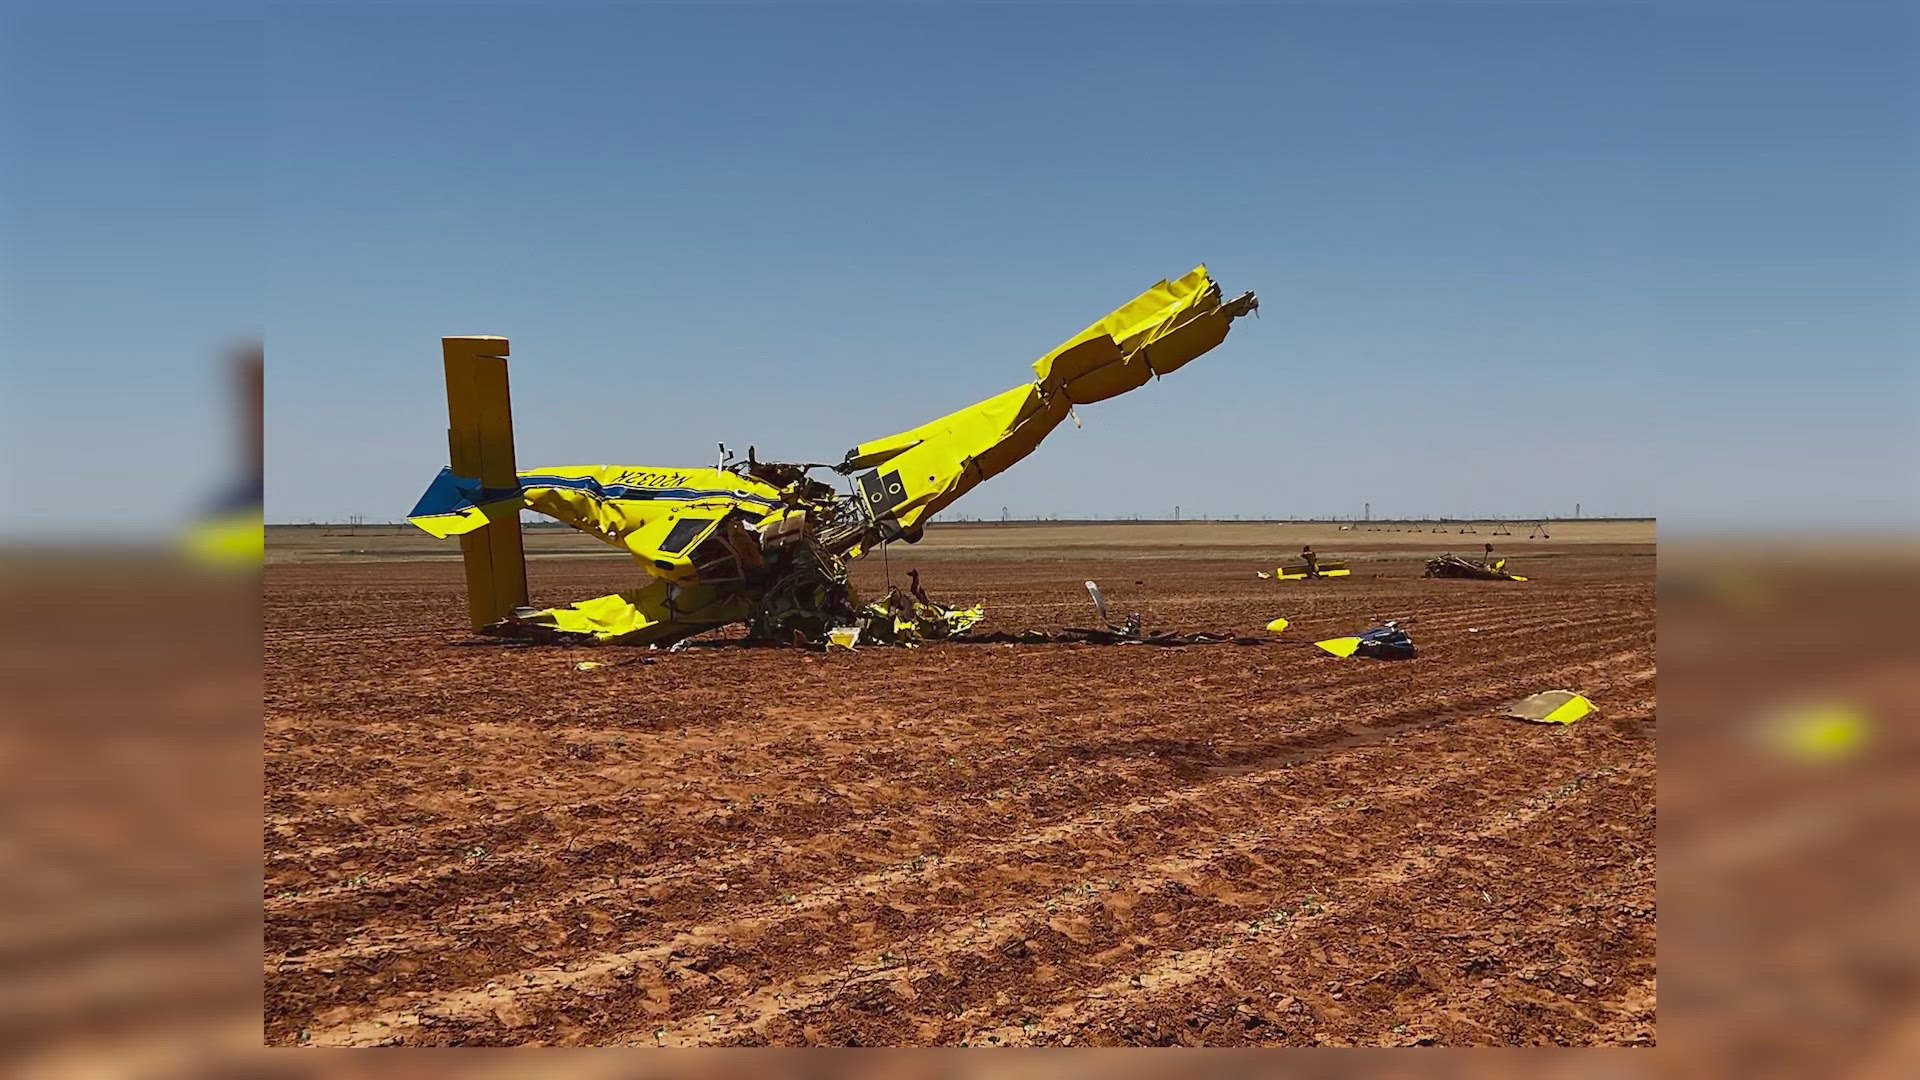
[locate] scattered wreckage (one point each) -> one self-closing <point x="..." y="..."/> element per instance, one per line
<point x="1308" y="566"/>
<point x="1129" y="631"/>
<point x="1454" y="566"/>
<point x="902" y="618"/>
<point x="765" y="544"/>
<point x="1385" y="642"/>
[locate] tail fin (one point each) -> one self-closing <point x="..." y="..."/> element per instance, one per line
<point x="482" y="486"/>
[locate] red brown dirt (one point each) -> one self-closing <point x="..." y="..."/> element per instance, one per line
<point x="470" y="843"/>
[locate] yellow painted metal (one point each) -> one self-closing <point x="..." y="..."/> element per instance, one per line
<point x="466" y="519"/>
<point x="236" y="539"/>
<point x="682" y="524"/>
<point x="656" y="611"/>
<point x="938" y="462"/>
<point x="1340" y="646"/>
<point x="480" y="442"/>
<point x="923" y="470"/>
<point x="1299" y="573"/>
<point x="1154" y="333"/>
<point x="1573" y="709"/>
<point x="1551" y="707"/>
<point x="1821" y="731"/>
<point x="637" y="507"/>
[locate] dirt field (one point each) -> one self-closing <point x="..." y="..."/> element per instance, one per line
<point x="471" y="843"/>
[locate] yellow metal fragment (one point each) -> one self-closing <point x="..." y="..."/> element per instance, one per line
<point x="1340" y="646"/>
<point x="1551" y="707"/>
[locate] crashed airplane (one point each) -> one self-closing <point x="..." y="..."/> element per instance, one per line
<point x="764" y="543"/>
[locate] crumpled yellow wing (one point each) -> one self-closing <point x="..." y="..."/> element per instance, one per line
<point x="950" y="456"/>
<point x="917" y="473"/>
<point x="1155" y="333"/>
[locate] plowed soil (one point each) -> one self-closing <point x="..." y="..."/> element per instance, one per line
<point x="474" y="843"/>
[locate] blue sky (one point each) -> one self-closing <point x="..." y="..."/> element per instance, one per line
<point x="1511" y="256"/>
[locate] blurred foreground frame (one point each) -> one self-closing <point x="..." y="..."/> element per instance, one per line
<point x="132" y="781"/>
<point x="1789" y="805"/>
<point x="132" y="786"/>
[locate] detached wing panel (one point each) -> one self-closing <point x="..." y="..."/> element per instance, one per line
<point x="652" y="613"/>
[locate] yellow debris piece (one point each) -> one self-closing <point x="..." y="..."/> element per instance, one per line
<point x="237" y="539"/>
<point x="1277" y="625"/>
<point x="653" y="612"/>
<point x="1340" y="646"/>
<point x="1299" y="573"/>
<point x="1551" y="707"/>
<point x="1823" y="731"/>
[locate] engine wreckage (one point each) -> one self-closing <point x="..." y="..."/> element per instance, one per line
<point x="1454" y="566"/>
<point x="765" y="543"/>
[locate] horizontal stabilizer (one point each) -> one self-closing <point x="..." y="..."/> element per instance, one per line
<point x="454" y="505"/>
